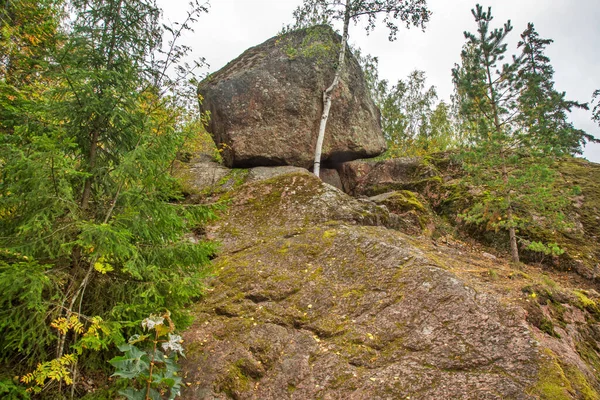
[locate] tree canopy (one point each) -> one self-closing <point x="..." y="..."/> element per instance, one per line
<point x="518" y="126"/>
<point x="91" y="222"/>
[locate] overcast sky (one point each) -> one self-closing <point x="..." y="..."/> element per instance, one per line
<point x="232" y="26"/>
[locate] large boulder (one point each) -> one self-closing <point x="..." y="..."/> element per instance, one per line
<point x="265" y="106"/>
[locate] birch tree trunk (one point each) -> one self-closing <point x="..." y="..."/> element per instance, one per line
<point x="327" y="94"/>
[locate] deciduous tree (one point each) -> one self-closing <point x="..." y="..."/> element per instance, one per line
<point x="411" y="122"/>
<point x="409" y="12"/>
<point x="440" y="135"/>
<point x="406" y="111"/>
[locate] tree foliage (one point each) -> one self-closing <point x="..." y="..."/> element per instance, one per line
<point x="542" y="110"/>
<point x="90" y="218"/>
<point x="410" y="13"/>
<point x="411" y="121"/>
<point x="596" y="109"/>
<point x="441" y="133"/>
<point x="28" y="36"/>
<point x="518" y="125"/>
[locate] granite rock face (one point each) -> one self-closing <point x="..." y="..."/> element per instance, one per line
<point x="374" y="177"/>
<point x="316" y="297"/>
<point x="266" y="105"/>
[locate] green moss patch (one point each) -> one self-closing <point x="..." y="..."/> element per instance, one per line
<point x="552" y="382"/>
<point x="402" y="201"/>
<point x="236" y="381"/>
<point x="558" y="380"/>
<point x="585" y="303"/>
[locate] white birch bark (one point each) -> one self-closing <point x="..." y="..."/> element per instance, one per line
<point x="327" y="94"/>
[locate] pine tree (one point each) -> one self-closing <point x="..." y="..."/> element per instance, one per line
<point x="542" y="109"/>
<point x="491" y="94"/>
<point x="90" y="218"/>
<point x="507" y="164"/>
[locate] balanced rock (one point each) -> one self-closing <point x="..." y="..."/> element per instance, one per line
<point x="265" y="106"/>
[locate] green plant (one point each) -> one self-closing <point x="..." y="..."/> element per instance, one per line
<point x="291" y="52"/>
<point x="11" y="390"/>
<point x="517" y="124"/>
<point x="596" y="109"/>
<point x="152" y="372"/>
<point x="91" y="219"/>
<point x="63" y="368"/>
<point x="549" y="249"/>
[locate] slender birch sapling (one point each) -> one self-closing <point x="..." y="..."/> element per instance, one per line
<point x="312" y="12"/>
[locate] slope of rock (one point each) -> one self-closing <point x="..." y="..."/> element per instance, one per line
<point x="316" y="298"/>
<point x="266" y="105"/>
<point x="437" y="180"/>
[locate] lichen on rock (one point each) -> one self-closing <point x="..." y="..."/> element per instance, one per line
<point x="315" y="299"/>
<point x="265" y="105"/>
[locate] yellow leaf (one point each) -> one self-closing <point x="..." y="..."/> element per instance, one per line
<point x="102" y="267"/>
<point x="162" y="329"/>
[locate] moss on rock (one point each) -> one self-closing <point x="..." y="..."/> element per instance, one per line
<point x="312" y="301"/>
<point x="558" y="380"/>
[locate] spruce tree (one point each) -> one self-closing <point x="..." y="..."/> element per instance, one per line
<point x="91" y="222"/>
<point x="508" y="165"/>
<point x="543" y="111"/>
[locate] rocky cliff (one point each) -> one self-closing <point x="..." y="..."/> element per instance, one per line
<point x="319" y="295"/>
<point x="367" y="285"/>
